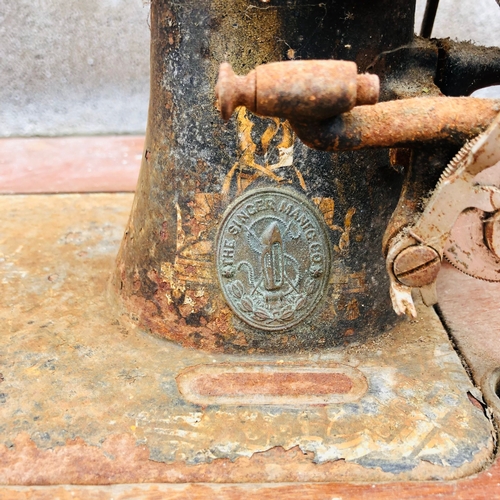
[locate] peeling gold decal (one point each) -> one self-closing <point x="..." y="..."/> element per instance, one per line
<point x="261" y="154"/>
<point x="327" y="208"/>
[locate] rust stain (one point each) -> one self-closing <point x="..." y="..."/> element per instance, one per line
<point x="120" y="460"/>
<point x="273" y="384"/>
<point x="352" y="310"/>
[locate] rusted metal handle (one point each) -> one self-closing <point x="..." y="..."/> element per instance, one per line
<point x="300" y="89"/>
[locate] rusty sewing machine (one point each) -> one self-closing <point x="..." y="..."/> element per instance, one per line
<point x="280" y="247"/>
<point x="326" y="102"/>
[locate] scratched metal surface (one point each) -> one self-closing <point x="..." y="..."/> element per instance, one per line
<point x="85" y="399"/>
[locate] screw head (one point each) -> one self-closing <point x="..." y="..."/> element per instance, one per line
<point x="417" y="266"/>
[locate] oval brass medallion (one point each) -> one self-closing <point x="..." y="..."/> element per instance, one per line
<point x="272" y="258"/>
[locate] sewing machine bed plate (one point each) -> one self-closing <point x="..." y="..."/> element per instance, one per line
<point x="86" y="399"/>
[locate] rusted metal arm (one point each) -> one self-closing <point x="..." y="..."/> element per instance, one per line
<point x="402" y="123"/>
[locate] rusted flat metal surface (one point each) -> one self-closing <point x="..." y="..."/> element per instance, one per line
<point x="70" y="164"/>
<point x="469" y="307"/>
<point x="485" y="486"/>
<point x="85" y="400"/>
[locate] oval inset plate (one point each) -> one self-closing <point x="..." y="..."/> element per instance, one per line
<point x="266" y="384"/>
<point x="273" y="258"/>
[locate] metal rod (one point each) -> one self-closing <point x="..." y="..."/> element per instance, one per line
<point x="401" y="123"/>
<point x="429" y="17"/>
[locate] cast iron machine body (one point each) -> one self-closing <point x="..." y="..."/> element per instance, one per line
<point x="196" y="266"/>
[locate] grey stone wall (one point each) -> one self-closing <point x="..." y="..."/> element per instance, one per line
<point x="82" y="66"/>
<point x="476" y="20"/>
<point x="73" y="67"/>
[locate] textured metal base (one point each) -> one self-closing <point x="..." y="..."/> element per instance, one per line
<point x="86" y="400"/>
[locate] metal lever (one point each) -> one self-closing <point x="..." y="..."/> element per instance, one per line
<point x="415" y="253"/>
